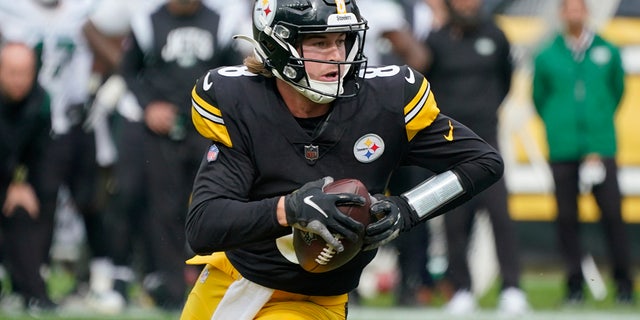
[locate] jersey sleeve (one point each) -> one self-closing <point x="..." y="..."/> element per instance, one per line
<point x="205" y="113"/>
<point x="222" y="205"/>
<point x="420" y="108"/>
<point x="440" y="143"/>
<point x="449" y="145"/>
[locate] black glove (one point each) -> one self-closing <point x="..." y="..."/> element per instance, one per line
<point x="388" y="222"/>
<point x="311" y="210"/>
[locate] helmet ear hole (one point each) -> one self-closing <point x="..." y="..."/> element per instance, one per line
<point x="282" y="32"/>
<point x="289" y="72"/>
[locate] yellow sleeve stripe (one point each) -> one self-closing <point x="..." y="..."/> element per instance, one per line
<point x="208" y="120"/>
<point x="420" y="111"/>
<point x="206" y="107"/>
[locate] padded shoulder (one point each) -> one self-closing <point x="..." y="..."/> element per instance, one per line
<point x="208" y="97"/>
<point x="419" y="105"/>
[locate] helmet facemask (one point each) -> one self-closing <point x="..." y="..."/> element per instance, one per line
<point x="296" y="74"/>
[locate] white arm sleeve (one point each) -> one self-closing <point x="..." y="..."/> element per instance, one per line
<point x="434" y="193"/>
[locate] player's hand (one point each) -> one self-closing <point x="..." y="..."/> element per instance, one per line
<point x="160" y="116"/>
<point x="312" y="210"/>
<point x="97" y="114"/>
<point x="21" y="195"/>
<point x="387" y="225"/>
<point x="105" y="102"/>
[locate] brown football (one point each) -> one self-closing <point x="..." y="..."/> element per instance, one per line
<point x="316" y="255"/>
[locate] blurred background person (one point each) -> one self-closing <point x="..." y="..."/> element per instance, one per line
<point x="469" y="65"/>
<point x="578" y="83"/>
<point x="164" y="54"/>
<point x="26" y="221"/>
<point x="54" y="29"/>
<point x="116" y="107"/>
<point x="396" y="29"/>
<point x="106" y="30"/>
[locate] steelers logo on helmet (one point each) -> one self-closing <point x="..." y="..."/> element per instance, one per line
<point x="279" y="28"/>
<point x="264" y="13"/>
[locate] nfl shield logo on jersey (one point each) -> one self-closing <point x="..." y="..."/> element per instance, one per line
<point x="212" y="154"/>
<point x="311" y="152"/>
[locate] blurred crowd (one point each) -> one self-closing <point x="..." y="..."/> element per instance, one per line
<point x="97" y="146"/>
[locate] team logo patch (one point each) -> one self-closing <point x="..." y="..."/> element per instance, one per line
<point x="212" y="154"/>
<point x="485" y="46"/>
<point x="308" y="237"/>
<point x="368" y="148"/>
<point x="600" y="55"/>
<point x="311" y="152"/>
<point x="263" y="13"/>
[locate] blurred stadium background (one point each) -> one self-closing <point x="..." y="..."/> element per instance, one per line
<point x="526" y="23"/>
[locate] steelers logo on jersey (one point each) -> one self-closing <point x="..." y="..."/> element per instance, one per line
<point x="368" y="148"/>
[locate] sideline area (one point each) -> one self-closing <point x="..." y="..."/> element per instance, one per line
<point x="360" y="313"/>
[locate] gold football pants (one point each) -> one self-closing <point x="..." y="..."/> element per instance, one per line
<point x="217" y="276"/>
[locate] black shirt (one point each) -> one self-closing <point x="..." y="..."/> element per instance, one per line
<point x="471" y="73"/>
<point x="24" y="133"/>
<point x="165" y="54"/>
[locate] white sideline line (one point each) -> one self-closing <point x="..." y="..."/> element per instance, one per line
<point x="362" y="313"/>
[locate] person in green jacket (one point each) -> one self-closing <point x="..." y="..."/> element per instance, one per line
<point x="578" y="83"/>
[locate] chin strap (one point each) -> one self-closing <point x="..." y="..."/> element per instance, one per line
<point x="321" y="86"/>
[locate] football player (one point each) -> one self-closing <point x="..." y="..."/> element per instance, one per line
<point x="302" y="111"/>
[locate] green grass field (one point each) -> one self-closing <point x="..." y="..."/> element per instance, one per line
<point x="543" y="287"/>
<point x="544" y="290"/>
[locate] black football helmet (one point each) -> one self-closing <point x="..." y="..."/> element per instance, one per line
<point x="280" y="25"/>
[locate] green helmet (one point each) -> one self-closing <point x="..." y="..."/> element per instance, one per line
<point x="280" y="25"/>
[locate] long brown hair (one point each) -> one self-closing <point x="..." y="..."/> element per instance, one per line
<point x="256" y="66"/>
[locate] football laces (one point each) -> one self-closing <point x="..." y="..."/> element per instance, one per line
<point x="327" y="253"/>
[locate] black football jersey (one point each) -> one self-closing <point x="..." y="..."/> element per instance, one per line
<point x="260" y="153"/>
<point x="165" y="53"/>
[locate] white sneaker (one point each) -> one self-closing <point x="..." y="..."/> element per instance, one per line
<point x="108" y="302"/>
<point x="513" y="301"/>
<point x="11" y="303"/>
<point x="462" y="302"/>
